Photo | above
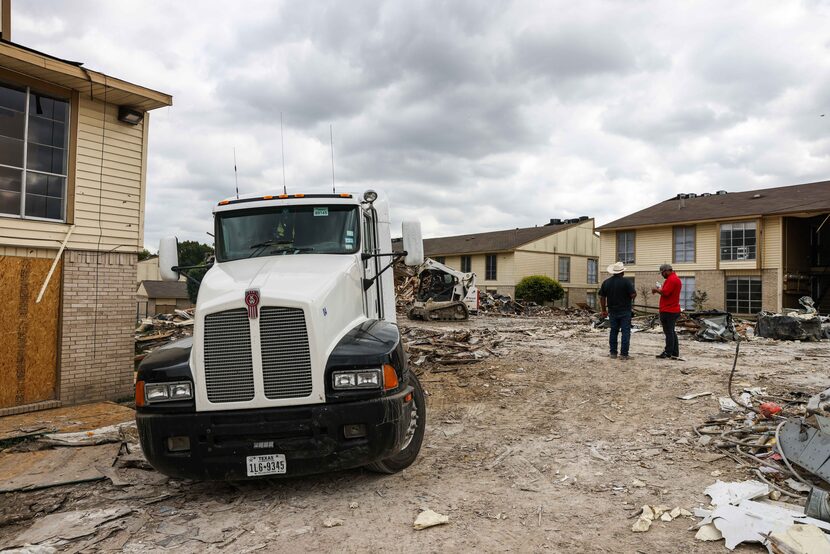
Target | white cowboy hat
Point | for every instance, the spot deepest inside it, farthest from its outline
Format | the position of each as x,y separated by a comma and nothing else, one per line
616,269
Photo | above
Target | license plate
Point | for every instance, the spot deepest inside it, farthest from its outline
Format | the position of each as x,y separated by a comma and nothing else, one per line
268,464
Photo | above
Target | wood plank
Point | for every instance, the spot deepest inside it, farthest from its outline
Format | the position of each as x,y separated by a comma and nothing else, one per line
41,355
10,269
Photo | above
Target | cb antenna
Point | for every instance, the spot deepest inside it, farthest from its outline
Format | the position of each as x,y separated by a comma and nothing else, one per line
282,146
235,176
331,141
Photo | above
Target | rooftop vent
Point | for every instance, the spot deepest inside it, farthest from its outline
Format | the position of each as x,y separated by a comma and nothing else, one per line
720,192
706,194
569,221
555,222
584,218
756,196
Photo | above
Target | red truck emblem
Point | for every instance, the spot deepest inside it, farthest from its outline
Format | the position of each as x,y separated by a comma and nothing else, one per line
252,302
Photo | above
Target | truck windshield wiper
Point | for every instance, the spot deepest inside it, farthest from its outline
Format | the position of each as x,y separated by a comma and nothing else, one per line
294,249
260,246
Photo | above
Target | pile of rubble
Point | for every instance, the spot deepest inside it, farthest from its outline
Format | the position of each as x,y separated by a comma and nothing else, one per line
437,347
803,324
157,331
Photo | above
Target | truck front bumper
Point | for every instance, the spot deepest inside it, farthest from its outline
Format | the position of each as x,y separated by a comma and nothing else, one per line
311,438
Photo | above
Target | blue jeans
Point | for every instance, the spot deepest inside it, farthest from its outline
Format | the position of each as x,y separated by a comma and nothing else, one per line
620,322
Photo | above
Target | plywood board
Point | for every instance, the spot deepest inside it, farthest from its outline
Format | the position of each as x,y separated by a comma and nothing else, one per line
28,330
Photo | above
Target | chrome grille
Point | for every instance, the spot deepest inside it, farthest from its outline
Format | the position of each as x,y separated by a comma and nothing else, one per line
286,359
229,370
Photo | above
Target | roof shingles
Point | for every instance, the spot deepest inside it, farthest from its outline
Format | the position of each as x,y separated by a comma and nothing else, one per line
493,241
810,197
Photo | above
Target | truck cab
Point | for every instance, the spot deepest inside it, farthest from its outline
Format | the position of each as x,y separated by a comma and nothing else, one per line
296,363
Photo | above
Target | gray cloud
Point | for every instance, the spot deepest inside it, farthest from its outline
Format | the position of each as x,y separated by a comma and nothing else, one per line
471,115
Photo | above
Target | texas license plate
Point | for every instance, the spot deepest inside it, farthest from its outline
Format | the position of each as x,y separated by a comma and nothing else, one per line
268,464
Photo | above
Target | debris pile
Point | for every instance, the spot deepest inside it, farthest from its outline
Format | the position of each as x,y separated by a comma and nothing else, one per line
157,331
742,512
803,324
428,347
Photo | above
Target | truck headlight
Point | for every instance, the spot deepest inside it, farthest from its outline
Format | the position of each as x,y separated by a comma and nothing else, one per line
358,379
161,392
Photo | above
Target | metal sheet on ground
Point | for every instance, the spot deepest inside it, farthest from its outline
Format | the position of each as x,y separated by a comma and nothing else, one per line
48,468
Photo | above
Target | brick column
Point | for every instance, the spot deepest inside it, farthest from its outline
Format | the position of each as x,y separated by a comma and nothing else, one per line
98,323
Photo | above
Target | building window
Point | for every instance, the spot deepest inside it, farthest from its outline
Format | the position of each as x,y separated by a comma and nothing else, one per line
440,259
737,241
490,267
33,153
591,300
564,269
684,245
625,247
466,264
743,295
687,292
593,271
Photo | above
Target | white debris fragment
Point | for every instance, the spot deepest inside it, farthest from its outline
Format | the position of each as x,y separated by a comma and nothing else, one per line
353,505
800,539
643,522
637,483
428,518
675,513
727,404
666,517
332,522
708,532
735,492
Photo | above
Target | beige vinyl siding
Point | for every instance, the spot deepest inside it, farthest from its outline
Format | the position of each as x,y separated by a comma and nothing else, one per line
773,243
654,246
119,197
537,263
505,271
578,240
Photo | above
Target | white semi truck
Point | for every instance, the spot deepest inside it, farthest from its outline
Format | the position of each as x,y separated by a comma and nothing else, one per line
296,364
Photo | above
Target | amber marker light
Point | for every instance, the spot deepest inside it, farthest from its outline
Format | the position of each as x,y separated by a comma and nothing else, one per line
269,197
299,196
223,202
390,377
139,393
408,397
282,196
345,195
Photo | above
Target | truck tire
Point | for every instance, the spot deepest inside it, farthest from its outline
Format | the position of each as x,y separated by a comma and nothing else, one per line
409,452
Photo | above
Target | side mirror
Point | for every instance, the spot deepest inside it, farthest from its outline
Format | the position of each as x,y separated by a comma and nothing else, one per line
413,243
168,258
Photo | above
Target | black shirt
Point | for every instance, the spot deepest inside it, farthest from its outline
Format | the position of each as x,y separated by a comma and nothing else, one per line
617,290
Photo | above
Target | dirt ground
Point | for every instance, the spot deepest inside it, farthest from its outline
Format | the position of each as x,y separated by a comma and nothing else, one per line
550,446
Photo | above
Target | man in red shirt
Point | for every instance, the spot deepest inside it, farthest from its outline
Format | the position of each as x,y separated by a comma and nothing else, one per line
669,309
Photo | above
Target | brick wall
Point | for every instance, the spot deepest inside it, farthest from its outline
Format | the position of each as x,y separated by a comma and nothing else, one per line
97,347
714,284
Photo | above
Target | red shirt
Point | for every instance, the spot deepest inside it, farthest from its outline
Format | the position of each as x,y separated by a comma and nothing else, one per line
670,294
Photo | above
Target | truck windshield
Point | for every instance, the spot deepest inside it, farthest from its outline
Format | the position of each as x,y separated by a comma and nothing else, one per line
287,230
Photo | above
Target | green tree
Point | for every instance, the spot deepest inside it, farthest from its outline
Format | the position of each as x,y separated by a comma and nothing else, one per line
144,255
539,289
192,252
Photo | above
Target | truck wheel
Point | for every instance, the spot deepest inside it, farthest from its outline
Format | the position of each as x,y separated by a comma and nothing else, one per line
414,435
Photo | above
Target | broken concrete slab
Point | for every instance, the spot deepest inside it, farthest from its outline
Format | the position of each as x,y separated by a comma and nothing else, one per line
21,471
102,435
799,539
723,493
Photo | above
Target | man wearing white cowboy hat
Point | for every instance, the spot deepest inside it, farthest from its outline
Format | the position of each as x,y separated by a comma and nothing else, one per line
615,297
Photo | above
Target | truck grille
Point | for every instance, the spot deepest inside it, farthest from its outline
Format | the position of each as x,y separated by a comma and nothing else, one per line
229,370
286,360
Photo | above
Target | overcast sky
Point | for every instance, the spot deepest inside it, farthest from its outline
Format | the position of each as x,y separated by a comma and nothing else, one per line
471,115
